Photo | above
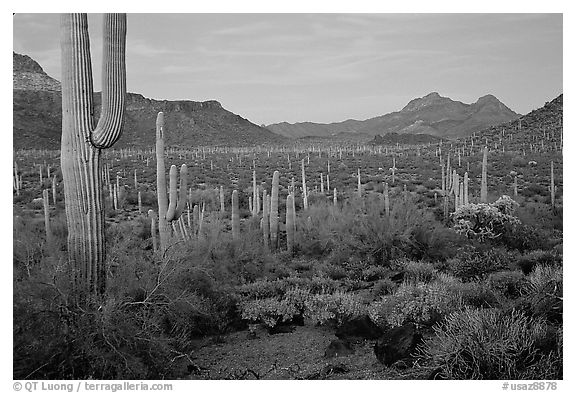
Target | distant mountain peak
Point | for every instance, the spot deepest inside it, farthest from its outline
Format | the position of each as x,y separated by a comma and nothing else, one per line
430,99
27,74
37,116
488,98
431,114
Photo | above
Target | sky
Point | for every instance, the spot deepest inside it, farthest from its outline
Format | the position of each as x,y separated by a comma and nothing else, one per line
325,68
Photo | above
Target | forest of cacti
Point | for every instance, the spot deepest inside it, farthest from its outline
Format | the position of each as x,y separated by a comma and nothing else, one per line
161,262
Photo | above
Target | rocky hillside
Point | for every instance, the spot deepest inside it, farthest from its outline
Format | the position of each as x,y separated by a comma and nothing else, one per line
432,114
404,139
37,108
542,124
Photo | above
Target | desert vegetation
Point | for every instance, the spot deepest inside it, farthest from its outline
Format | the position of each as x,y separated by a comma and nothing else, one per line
305,260
239,262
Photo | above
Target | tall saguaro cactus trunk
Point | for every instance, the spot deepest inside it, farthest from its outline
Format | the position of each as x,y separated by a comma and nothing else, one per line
484,184
82,141
163,227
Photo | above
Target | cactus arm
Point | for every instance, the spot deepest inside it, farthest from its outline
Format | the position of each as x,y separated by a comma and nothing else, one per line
173,194
109,127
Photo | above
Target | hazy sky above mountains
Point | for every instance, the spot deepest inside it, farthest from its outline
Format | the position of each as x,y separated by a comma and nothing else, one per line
323,67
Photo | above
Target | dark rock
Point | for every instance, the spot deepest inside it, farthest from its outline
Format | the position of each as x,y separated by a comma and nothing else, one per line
361,326
397,343
338,348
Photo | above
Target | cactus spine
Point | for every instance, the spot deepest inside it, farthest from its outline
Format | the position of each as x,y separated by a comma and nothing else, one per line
82,142
274,208
235,216
290,224
484,185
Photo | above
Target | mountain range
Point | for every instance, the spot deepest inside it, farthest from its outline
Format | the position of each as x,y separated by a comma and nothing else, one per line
432,114
37,115
37,118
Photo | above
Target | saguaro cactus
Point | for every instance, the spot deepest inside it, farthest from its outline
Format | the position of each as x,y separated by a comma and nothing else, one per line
46,200
304,190
254,194
359,185
82,141
290,224
274,209
168,211
222,208
266,218
386,200
465,200
484,185
153,229
335,197
235,216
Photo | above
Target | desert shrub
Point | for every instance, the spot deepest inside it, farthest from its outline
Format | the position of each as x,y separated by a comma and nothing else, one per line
335,308
519,162
486,221
373,273
269,311
321,308
492,344
419,272
263,289
533,189
508,283
528,261
543,295
415,302
383,287
526,238
335,272
363,232
473,263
